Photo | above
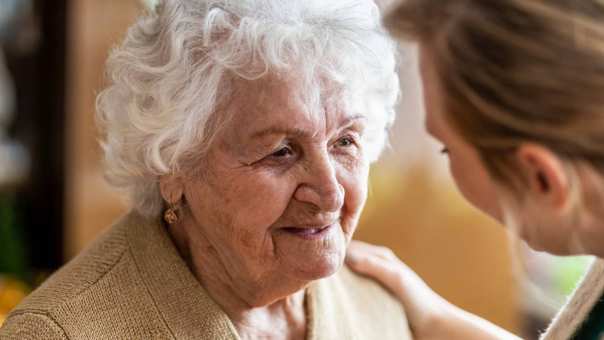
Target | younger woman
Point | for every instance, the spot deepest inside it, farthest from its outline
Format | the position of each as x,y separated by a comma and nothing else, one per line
514,90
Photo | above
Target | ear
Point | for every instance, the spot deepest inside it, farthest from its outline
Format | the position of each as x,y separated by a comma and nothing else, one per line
171,188
547,180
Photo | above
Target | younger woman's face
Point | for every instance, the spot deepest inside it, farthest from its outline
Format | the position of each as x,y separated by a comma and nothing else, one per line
535,224
468,171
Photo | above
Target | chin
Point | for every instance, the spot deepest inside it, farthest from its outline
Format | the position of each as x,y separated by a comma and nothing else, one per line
312,258
320,268
557,251
294,277
553,248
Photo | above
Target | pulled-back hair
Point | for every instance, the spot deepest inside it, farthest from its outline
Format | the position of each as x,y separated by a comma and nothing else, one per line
514,71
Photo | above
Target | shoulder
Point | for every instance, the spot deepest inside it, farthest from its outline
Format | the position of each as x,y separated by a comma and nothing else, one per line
367,305
81,274
580,305
30,325
93,289
365,292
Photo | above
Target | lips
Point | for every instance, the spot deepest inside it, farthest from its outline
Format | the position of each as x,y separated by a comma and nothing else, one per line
305,230
308,232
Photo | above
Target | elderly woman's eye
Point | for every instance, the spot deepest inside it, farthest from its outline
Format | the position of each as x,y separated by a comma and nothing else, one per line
345,141
283,152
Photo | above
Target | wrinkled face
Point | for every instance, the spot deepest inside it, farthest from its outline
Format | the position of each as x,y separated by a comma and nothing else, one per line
282,188
468,171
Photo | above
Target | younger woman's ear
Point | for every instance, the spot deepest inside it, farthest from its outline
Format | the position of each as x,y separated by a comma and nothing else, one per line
171,188
547,180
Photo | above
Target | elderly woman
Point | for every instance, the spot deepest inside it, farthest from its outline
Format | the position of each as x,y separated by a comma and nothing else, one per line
243,132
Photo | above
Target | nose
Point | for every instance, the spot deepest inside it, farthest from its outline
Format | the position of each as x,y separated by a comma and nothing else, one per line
321,187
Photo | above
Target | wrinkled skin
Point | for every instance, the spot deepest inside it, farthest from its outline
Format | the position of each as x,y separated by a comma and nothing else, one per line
274,204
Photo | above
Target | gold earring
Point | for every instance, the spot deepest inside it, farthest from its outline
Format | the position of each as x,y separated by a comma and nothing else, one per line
170,215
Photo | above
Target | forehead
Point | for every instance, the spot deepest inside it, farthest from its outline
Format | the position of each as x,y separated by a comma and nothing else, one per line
285,101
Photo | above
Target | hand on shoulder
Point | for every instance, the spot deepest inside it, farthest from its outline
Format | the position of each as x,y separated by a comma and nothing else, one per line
430,316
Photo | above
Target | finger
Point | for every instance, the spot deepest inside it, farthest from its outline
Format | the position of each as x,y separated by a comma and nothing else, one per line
357,252
371,265
391,277
359,248
374,261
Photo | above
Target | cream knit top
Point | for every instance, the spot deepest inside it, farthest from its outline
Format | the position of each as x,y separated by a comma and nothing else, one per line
579,305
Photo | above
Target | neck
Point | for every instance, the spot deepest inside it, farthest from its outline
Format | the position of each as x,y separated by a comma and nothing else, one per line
257,311
284,319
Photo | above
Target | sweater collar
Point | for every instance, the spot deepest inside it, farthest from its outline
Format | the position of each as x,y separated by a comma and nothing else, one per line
187,309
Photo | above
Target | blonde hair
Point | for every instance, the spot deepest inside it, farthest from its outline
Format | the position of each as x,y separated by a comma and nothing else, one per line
175,68
515,71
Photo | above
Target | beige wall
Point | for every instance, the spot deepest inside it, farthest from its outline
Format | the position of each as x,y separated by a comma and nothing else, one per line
95,25
412,208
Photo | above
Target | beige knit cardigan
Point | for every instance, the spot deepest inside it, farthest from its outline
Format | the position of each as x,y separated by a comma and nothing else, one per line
581,302
132,284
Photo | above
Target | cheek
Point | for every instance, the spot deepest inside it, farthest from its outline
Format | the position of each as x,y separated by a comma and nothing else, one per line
260,200
240,207
355,184
475,184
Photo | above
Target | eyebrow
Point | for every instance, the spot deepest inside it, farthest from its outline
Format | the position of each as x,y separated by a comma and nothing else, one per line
301,133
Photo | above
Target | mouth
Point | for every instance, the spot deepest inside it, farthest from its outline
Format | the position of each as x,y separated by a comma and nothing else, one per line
308,232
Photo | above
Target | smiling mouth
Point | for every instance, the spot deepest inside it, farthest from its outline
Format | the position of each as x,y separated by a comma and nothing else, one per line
308,232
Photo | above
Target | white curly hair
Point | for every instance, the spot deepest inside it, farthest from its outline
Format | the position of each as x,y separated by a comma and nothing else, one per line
172,72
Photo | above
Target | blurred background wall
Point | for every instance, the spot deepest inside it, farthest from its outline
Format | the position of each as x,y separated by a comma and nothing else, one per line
95,26
413,206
